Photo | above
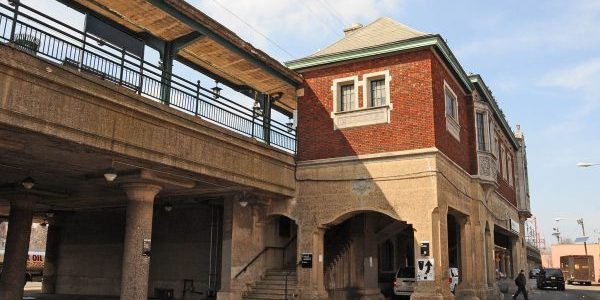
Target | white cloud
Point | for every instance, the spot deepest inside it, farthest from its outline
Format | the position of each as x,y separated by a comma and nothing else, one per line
304,23
584,94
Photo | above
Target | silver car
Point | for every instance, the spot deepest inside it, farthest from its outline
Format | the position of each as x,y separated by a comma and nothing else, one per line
404,281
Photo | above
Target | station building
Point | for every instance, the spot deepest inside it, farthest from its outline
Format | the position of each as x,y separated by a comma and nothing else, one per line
156,185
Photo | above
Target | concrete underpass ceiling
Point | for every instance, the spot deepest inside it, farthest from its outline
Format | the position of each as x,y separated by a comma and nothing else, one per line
72,175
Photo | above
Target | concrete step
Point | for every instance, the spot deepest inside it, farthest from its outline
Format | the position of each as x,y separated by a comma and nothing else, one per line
268,286
253,295
273,286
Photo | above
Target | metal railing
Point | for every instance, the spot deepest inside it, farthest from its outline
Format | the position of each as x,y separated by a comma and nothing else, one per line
34,32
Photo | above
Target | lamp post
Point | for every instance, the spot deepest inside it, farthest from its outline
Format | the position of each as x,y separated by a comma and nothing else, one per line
580,222
586,164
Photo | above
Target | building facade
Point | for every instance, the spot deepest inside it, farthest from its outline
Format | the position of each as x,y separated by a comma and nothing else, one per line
154,185
398,144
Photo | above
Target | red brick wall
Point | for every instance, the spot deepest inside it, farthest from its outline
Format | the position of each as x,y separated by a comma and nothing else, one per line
411,124
504,188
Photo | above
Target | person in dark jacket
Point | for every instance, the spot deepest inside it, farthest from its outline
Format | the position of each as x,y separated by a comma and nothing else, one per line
521,282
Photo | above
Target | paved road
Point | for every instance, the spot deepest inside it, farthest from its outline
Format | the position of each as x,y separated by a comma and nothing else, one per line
572,292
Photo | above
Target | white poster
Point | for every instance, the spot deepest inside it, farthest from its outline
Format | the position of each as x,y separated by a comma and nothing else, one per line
425,269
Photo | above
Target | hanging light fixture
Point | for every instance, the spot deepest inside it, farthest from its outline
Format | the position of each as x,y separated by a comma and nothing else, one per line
256,108
216,90
28,182
168,207
110,174
243,201
290,125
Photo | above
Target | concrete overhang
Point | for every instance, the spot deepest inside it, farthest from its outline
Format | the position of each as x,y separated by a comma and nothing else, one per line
214,49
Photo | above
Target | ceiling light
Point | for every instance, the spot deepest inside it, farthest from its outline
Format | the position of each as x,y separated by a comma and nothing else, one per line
168,207
28,182
110,174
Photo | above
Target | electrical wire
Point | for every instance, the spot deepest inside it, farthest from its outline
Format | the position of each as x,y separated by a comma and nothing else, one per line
254,29
333,12
312,12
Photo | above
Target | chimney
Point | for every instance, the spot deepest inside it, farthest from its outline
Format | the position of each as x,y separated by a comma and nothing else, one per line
354,27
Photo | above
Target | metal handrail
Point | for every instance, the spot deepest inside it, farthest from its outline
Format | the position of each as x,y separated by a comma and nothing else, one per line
65,44
263,251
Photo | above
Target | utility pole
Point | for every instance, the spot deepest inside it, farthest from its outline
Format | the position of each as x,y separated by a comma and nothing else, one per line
580,222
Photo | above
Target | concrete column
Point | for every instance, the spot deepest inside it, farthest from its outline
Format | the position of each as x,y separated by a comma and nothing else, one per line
466,287
227,291
434,230
365,255
311,282
138,227
17,246
52,253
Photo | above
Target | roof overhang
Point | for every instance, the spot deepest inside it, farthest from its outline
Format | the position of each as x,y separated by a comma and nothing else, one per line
213,48
422,42
483,90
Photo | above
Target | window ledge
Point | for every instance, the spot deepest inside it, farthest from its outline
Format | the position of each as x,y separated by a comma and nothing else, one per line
453,127
361,117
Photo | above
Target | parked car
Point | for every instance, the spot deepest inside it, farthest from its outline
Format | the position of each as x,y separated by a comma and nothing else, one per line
453,279
551,277
404,281
533,273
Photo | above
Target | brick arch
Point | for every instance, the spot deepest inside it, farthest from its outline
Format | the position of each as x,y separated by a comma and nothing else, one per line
345,215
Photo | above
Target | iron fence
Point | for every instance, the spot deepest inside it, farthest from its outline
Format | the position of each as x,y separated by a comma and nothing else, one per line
37,33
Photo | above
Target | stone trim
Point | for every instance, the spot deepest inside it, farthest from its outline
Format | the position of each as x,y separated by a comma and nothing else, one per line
374,156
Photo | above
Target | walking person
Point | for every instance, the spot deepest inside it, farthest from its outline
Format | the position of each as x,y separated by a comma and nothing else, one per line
521,282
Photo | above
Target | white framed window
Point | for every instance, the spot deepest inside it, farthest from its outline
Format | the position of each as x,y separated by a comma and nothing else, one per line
374,107
509,169
345,95
376,89
451,104
481,128
503,157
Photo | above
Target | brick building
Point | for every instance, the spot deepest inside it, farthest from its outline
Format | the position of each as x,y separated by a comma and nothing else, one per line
154,184
402,159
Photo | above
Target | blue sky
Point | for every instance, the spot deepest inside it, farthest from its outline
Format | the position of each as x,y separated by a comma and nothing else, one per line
541,61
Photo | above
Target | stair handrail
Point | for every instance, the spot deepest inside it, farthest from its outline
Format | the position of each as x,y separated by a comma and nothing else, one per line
254,259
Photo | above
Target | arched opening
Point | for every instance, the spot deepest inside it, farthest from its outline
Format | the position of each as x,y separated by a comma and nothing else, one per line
281,237
364,253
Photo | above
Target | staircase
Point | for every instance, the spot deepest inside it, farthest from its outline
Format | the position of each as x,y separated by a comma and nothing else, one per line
273,286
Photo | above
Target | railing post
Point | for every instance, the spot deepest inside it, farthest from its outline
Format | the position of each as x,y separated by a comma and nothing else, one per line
197,98
141,83
122,66
14,24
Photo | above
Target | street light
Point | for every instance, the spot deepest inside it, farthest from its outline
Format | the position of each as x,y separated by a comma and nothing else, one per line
580,222
586,164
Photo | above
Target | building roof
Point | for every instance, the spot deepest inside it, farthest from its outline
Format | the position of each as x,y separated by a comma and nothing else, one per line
205,43
381,31
384,36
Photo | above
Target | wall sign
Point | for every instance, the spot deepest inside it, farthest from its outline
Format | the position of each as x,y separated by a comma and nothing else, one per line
514,226
424,247
425,269
306,260
146,247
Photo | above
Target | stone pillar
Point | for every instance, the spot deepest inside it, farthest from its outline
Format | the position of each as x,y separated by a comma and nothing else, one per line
227,290
466,287
434,230
17,246
365,256
138,227
52,254
311,282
